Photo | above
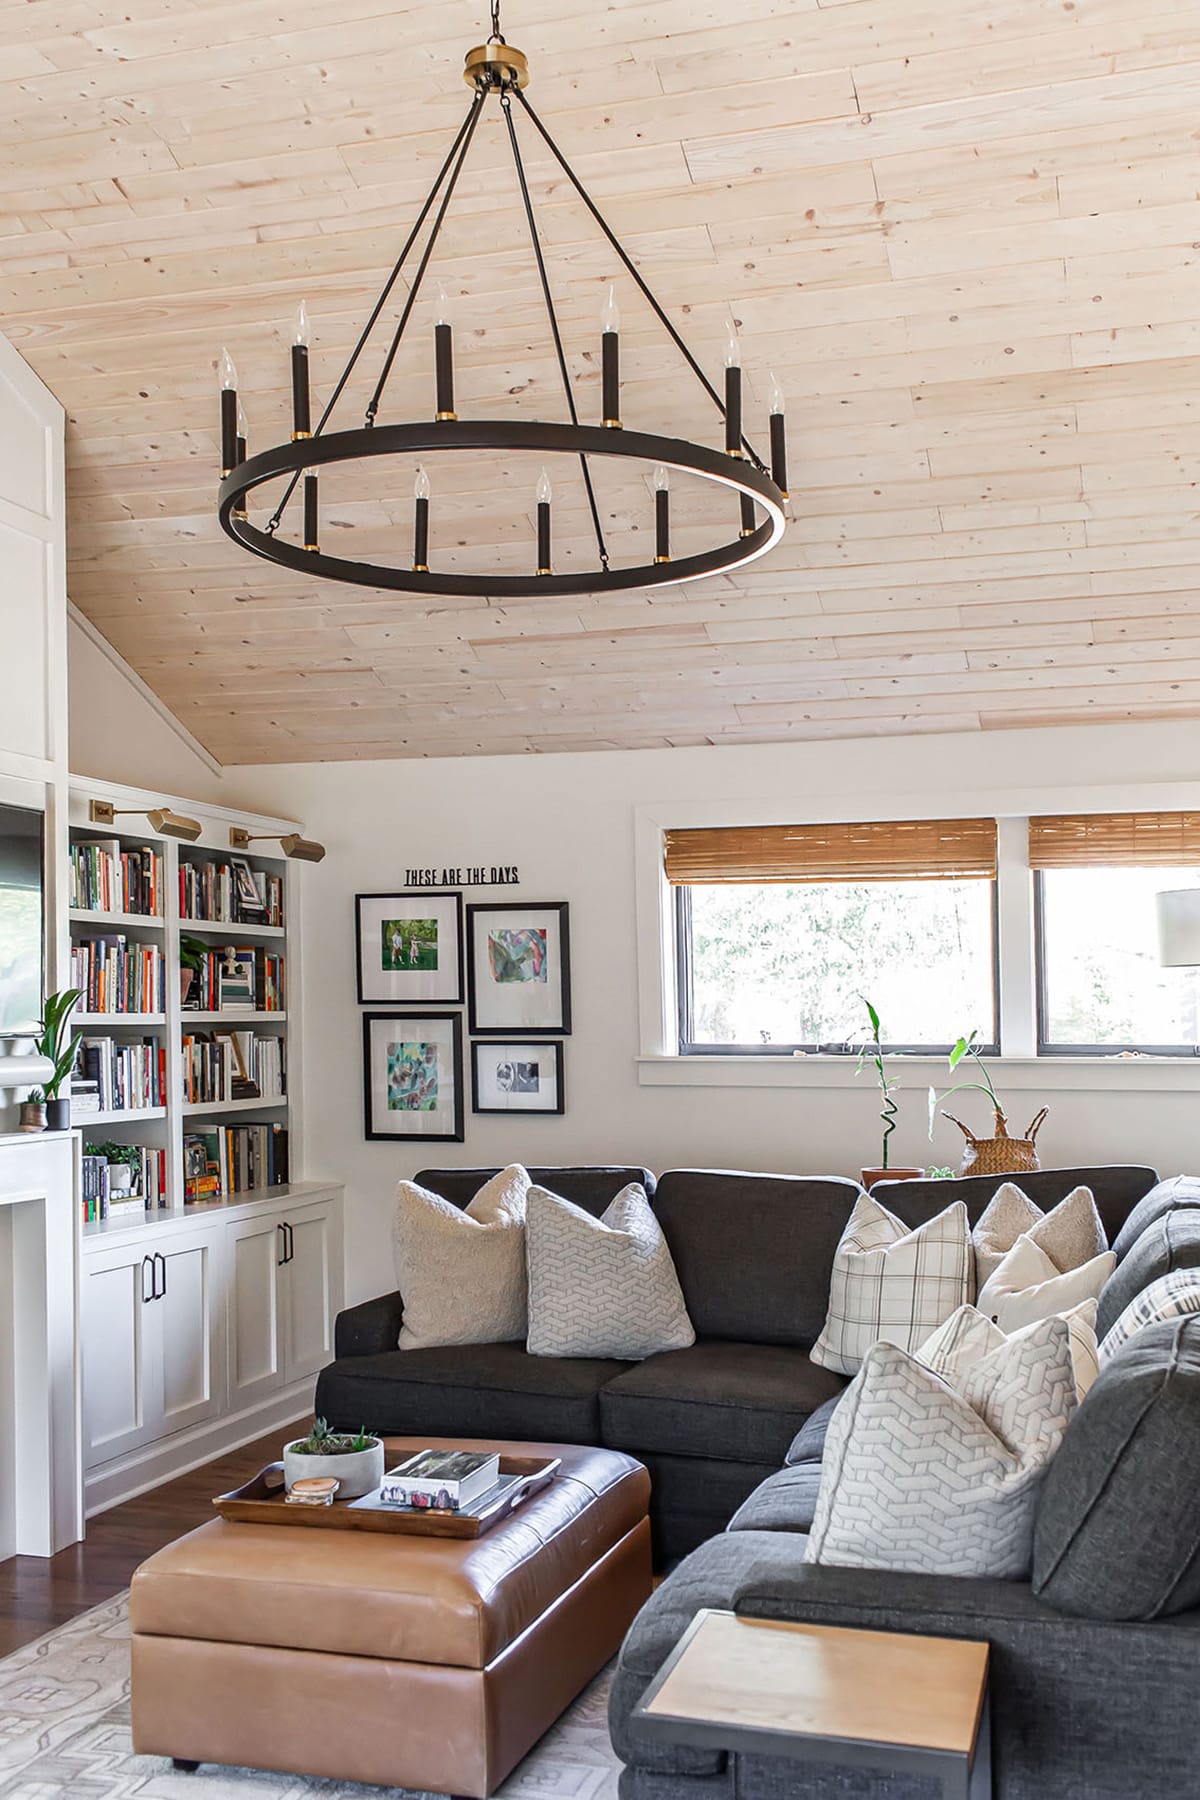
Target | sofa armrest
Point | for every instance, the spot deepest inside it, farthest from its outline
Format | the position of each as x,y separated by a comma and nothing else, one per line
369,1328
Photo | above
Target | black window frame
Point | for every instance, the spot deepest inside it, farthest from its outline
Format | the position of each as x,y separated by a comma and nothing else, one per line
685,1001
1184,1052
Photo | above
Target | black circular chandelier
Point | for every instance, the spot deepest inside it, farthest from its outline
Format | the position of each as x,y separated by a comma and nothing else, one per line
499,69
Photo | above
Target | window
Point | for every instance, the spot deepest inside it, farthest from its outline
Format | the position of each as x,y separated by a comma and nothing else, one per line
1101,984
794,925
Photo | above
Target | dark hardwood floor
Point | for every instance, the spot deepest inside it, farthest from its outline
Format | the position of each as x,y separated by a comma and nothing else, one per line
37,1593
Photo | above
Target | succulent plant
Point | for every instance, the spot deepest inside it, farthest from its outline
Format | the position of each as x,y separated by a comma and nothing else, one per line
322,1441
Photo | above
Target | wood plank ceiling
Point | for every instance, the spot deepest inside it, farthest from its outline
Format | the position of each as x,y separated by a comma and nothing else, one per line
964,236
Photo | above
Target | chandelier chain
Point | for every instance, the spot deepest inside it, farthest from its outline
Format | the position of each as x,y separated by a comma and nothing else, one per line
497,34
556,334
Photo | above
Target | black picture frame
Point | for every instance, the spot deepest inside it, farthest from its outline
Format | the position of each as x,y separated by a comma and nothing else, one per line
543,1046
368,998
374,1136
517,1028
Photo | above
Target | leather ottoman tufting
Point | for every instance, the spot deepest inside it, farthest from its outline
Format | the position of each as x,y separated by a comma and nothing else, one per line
414,1662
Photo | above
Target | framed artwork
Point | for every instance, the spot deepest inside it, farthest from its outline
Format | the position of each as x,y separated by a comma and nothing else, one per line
511,1076
518,969
409,947
413,1076
251,904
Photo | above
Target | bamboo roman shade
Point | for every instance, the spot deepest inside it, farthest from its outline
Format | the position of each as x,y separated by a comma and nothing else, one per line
892,850
1114,840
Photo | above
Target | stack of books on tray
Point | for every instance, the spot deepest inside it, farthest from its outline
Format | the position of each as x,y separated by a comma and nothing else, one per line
440,1481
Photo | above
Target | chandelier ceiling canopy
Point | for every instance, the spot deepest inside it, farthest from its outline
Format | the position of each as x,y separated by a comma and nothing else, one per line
752,492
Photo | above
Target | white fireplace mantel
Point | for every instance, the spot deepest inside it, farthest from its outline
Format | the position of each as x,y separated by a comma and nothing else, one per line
41,1494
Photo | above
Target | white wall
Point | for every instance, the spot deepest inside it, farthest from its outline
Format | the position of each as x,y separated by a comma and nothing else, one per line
568,823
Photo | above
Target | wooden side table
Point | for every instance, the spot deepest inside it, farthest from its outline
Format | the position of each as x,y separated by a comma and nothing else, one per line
877,1700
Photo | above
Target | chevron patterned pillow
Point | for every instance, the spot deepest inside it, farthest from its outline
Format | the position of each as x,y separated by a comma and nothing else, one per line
461,1272
1169,1297
924,1477
893,1284
601,1287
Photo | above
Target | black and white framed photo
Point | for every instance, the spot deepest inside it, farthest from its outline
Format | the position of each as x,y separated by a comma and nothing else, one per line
519,969
409,948
513,1076
413,1076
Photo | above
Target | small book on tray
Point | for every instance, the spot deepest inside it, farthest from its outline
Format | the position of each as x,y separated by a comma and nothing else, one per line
440,1480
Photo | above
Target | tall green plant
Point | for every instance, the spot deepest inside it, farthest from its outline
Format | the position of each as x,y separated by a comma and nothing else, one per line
872,1052
54,1030
966,1050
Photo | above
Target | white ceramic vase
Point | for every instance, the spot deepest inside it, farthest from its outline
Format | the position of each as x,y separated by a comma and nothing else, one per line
357,1472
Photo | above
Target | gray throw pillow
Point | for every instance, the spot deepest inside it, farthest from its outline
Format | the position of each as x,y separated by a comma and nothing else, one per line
1171,1242
601,1287
1170,1195
1117,1534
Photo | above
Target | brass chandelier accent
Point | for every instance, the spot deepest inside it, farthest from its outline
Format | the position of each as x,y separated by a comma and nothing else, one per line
497,70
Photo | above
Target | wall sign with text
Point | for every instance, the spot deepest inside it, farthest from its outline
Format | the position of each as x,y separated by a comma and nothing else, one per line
465,875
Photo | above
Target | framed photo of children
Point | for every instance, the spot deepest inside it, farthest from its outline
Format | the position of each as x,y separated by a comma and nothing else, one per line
519,969
409,948
413,1076
510,1076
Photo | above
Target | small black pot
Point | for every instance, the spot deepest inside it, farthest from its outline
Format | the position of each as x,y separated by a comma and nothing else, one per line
58,1115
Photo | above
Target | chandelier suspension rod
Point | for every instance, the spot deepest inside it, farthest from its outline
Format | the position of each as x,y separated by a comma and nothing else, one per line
631,267
274,521
468,132
535,239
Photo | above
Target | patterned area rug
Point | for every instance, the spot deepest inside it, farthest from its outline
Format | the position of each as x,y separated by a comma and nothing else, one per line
64,1729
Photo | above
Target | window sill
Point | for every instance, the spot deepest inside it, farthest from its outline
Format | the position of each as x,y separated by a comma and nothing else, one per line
1014,1074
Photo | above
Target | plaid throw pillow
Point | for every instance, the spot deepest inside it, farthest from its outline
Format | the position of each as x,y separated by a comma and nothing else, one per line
893,1285
1167,1298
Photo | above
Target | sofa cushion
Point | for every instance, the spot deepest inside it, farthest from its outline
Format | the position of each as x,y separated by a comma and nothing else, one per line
1172,1195
1118,1529
1171,1242
478,1390
1116,1188
893,1285
808,1445
754,1252
461,1270
739,1402
784,1502
590,1186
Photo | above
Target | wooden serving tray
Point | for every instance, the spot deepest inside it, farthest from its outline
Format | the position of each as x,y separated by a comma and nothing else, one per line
261,1502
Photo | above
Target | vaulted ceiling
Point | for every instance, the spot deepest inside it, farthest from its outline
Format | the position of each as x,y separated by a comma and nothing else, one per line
965,237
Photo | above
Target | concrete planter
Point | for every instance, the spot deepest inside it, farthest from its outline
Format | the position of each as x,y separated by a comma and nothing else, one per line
357,1472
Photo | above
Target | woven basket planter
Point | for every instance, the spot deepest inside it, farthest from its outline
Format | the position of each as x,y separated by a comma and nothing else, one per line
1000,1155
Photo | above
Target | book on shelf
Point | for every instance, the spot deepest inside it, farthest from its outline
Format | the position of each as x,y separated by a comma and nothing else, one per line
234,1159
229,892
119,1179
232,1065
238,978
125,1077
115,975
440,1480
85,1099
108,876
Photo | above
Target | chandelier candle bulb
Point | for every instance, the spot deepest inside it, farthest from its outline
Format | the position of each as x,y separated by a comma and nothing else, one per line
301,410
443,354
778,439
544,494
610,364
421,523
229,412
662,514
311,525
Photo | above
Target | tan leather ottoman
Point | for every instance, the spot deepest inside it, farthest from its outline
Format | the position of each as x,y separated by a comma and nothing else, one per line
411,1662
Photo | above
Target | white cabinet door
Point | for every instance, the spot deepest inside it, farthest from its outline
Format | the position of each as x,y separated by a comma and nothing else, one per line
190,1315
311,1277
257,1358
120,1406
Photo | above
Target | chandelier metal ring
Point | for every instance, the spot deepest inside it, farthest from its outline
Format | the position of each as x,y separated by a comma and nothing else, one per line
544,437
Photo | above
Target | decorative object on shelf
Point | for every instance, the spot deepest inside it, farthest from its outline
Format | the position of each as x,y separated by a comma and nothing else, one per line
517,1077
872,1052
519,974
33,1112
409,947
297,848
997,1155
413,1076
235,982
353,1460
192,951
163,821
755,493
61,1046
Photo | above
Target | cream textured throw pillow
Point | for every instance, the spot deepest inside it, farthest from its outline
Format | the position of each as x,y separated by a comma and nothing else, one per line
1169,1297
1071,1233
891,1284
461,1273
601,1287
1028,1286
968,1336
921,1476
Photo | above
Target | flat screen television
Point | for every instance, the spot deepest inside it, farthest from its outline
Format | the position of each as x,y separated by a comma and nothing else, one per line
22,929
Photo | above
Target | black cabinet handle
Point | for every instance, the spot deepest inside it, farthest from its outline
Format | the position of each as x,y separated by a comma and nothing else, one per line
160,1258
280,1260
291,1243
152,1295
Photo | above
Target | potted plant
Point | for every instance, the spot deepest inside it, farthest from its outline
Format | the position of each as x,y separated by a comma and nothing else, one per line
354,1459
192,951
61,1046
33,1112
872,1052
999,1154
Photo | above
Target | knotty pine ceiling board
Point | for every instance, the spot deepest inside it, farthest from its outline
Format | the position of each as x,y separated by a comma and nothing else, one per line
965,238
